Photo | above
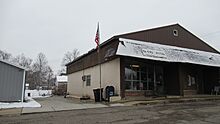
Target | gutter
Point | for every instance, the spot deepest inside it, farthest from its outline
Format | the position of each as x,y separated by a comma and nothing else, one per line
22,96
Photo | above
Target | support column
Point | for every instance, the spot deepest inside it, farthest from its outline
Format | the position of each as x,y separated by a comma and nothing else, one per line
155,85
122,76
180,79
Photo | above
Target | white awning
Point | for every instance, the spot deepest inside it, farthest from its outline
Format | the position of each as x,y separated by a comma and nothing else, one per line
153,51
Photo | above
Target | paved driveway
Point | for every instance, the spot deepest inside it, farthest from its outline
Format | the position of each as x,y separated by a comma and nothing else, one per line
59,103
206,112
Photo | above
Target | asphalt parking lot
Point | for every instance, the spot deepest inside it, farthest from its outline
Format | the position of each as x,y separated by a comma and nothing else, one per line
205,112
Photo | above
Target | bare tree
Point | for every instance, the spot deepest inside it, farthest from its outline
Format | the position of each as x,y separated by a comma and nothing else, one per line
23,61
41,62
70,56
50,77
39,69
5,56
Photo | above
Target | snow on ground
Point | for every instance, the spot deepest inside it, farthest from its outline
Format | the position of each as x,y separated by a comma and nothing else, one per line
28,103
37,93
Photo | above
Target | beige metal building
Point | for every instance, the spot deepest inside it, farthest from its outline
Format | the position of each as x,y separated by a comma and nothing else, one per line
162,61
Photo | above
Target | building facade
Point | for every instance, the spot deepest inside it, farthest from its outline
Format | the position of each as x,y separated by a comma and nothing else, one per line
162,61
61,85
12,82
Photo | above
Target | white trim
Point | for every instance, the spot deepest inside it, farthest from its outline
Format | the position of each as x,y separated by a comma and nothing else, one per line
22,96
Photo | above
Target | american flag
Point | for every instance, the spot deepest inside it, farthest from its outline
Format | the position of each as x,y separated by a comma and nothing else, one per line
97,38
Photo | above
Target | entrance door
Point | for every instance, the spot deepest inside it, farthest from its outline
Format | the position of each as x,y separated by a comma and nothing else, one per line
159,81
155,80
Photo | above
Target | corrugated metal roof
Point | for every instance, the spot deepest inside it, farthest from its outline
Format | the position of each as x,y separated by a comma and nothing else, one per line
153,51
12,64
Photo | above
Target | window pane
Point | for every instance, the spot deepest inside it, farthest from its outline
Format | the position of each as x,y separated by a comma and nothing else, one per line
136,85
135,75
128,85
143,76
135,72
144,85
159,75
150,78
128,73
88,80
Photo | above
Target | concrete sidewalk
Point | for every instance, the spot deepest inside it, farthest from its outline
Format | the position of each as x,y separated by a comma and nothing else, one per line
167,100
58,103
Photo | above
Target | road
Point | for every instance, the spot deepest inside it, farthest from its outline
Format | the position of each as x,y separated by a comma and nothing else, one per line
205,112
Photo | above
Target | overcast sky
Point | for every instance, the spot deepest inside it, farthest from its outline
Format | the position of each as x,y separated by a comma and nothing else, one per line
57,26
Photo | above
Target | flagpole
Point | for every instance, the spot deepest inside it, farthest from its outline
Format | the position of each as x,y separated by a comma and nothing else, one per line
100,70
97,40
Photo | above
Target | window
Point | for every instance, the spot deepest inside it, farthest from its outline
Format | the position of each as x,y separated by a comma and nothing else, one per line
135,77
88,80
143,77
175,32
191,80
132,77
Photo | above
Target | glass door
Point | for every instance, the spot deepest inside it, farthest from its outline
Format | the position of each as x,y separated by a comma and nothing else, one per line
159,80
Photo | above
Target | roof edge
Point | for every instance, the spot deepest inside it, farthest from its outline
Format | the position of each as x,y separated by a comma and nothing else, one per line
92,50
192,33
12,64
148,29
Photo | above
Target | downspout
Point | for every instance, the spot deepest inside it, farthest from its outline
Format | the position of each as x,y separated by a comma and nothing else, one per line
22,95
83,82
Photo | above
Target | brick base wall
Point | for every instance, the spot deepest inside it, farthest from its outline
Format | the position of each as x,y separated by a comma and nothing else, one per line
139,93
189,92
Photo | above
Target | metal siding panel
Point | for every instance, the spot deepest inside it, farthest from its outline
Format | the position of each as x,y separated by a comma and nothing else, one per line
91,58
11,81
164,35
2,86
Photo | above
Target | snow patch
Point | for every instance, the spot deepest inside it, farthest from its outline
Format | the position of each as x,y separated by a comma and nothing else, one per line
30,103
38,93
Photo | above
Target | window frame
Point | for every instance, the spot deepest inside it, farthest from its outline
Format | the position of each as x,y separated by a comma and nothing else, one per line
88,80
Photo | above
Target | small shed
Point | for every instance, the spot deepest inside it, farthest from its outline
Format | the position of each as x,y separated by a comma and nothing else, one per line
12,82
61,85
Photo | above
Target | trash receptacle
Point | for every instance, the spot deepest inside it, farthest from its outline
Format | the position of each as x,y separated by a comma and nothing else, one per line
97,94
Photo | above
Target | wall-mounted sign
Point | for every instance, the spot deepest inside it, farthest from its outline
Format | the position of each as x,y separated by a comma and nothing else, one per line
153,51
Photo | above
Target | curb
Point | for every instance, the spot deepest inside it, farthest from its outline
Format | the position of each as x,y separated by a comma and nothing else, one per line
181,100
10,111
